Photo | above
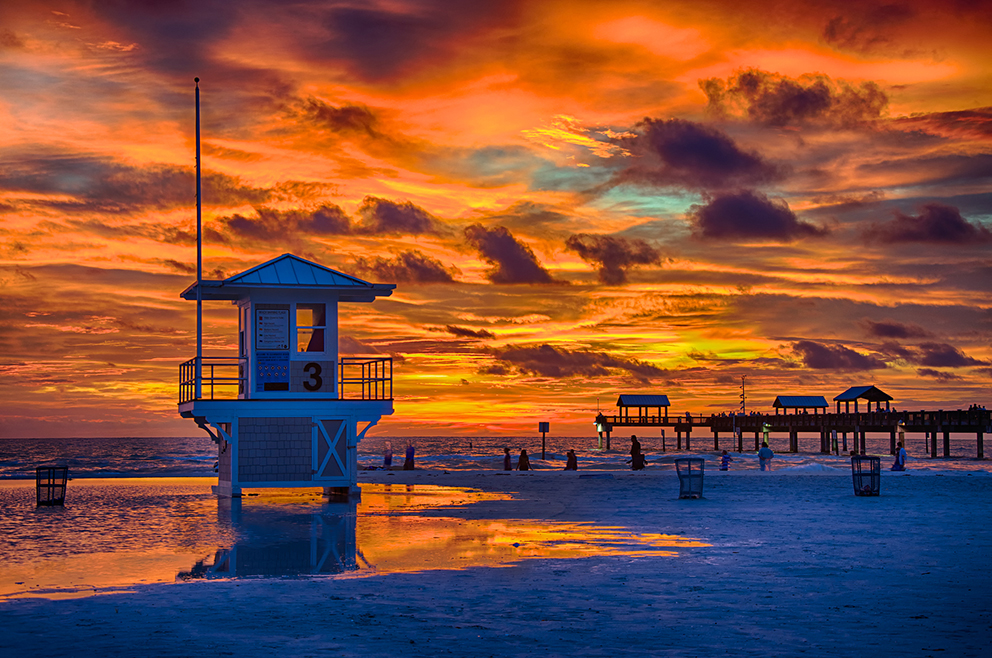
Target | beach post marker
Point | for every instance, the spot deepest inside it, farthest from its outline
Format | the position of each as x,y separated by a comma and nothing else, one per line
542,427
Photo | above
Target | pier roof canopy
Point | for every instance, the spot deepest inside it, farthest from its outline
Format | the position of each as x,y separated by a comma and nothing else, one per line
800,402
869,393
289,272
643,401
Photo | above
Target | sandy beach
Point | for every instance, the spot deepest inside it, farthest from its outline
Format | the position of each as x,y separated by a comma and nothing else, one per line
782,563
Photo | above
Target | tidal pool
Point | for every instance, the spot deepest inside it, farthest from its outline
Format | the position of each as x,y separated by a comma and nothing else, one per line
118,533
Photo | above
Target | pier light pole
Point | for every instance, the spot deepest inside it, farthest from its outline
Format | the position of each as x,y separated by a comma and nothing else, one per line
198,374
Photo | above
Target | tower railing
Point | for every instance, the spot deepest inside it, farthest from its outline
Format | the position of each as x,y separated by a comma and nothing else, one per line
373,377
225,378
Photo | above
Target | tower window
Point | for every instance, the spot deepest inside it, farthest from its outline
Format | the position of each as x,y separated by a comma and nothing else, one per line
310,326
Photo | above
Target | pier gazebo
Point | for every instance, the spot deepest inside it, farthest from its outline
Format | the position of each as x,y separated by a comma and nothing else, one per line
644,405
869,393
286,410
797,402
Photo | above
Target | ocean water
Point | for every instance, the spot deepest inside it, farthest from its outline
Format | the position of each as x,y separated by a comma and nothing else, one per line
196,456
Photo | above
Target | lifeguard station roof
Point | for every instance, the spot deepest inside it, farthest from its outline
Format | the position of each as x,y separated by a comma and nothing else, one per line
643,401
800,402
869,393
289,272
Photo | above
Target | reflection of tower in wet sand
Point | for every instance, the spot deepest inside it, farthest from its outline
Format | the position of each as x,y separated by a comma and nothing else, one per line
278,540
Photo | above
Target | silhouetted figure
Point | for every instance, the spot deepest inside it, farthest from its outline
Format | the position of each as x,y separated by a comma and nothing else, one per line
408,464
571,462
523,464
636,458
507,465
387,456
900,463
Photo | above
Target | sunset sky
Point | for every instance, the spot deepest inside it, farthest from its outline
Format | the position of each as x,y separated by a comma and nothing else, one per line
575,199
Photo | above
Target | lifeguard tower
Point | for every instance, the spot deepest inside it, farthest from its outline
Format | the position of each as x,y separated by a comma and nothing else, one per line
287,410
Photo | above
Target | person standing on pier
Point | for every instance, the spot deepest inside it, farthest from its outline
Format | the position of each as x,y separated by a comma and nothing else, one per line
900,463
765,456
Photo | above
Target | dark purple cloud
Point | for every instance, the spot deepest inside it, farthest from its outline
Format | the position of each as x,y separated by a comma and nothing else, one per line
84,182
511,261
612,255
343,120
749,215
409,266
893,329
939,375
949,169
974,123
775,100
834,357
381,216
466,332
942,355
533,218
282,226
938,223
681,153
868,28
383,43
549,361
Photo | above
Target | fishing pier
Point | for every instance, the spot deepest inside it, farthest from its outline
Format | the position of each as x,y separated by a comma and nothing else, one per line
831,429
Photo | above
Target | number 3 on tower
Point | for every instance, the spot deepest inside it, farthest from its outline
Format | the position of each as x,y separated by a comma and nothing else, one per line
315,382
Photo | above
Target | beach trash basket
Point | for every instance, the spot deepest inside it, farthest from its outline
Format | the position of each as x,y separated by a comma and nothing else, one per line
50,484
867,475
690,471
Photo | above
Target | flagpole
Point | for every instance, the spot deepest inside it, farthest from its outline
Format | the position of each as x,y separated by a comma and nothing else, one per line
199,255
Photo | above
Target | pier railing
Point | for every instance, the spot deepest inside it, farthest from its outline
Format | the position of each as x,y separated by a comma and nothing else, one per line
972,418
225,378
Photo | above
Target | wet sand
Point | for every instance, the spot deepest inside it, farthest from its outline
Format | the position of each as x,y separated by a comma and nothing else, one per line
781,563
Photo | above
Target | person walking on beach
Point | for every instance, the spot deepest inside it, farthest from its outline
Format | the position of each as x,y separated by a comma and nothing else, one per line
900,463
387,456
636,458
507,464
725,461
408,464
571,462
765,456
523,464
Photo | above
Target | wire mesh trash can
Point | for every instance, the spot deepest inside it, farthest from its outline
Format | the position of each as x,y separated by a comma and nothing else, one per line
867,475
50,484
690,472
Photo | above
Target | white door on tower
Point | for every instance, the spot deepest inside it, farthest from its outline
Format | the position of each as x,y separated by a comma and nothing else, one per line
330,453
